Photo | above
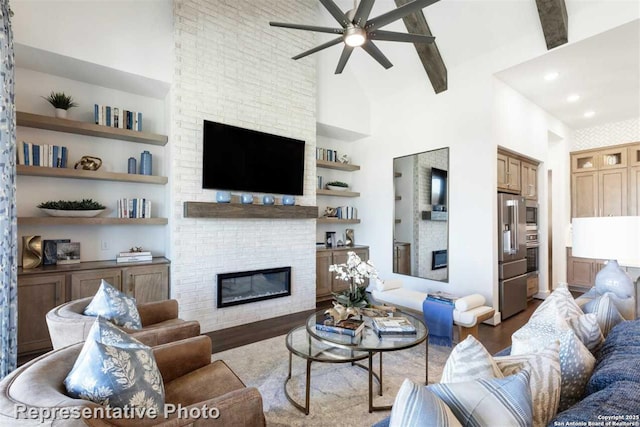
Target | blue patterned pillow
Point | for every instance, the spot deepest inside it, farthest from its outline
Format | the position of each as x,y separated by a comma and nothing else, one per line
417,406
489,402
115,306
606,312
117,370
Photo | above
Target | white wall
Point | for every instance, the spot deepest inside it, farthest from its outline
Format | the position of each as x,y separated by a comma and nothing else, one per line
129,35
407,117
231,67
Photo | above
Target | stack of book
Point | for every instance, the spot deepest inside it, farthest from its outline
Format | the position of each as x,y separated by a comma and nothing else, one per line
393,326
351,327
134,256
51,156
442,297
115,117
326,154
134,208
347,212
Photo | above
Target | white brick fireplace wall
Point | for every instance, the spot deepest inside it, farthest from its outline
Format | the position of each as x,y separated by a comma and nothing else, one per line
231,67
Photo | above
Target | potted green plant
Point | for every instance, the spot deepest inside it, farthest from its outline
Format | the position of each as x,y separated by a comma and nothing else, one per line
72,208
61,102
337,186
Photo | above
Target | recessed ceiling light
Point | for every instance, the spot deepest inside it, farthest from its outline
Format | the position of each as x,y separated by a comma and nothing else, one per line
573,98
589,113
551,76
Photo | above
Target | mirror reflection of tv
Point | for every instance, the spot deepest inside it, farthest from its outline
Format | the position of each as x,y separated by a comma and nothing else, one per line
238,159
439,189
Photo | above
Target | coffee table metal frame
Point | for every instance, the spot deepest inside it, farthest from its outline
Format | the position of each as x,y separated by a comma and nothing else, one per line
365,347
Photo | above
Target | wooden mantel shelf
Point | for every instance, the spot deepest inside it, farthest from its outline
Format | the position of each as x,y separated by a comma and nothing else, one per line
238,210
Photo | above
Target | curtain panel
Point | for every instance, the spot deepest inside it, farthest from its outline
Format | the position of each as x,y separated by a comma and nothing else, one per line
8,226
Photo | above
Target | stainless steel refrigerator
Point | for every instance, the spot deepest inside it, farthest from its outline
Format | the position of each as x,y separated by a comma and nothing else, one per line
512,254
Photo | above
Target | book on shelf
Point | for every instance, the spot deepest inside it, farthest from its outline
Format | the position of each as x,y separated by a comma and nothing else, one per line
133,208
141,258
141,253
45,155
393,326
351,327
116,117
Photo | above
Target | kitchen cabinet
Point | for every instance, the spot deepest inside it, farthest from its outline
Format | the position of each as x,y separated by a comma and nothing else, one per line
326,283
602,182
582,271
45,287
529,180
508,173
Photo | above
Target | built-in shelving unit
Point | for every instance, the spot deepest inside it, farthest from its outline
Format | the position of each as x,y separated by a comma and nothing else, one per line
323,192
345,167
238,210
327,220
57,220
85,174
84,128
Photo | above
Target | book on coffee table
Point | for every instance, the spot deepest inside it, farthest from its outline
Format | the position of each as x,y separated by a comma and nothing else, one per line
351,327
393,326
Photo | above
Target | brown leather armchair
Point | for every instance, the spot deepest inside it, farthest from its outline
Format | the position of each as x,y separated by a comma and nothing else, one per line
190,379
160,323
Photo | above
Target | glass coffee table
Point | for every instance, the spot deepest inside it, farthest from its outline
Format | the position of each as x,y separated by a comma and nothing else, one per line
326,347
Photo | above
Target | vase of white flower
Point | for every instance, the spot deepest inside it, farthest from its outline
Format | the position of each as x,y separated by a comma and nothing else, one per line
354,271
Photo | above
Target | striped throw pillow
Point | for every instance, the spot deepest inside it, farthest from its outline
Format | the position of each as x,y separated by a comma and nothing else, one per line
469,361
544,383
588,330
606,312
417,406
576,361
489,402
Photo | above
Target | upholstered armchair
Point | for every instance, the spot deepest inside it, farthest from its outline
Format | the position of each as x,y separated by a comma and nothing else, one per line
160,323
190,379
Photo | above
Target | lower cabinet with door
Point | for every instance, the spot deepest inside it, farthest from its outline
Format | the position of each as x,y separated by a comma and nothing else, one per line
326,283
43,288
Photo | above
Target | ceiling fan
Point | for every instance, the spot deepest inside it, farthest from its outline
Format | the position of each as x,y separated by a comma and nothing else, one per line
360,31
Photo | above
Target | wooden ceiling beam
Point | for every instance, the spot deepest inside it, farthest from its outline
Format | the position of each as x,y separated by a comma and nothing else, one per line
554,20
429,54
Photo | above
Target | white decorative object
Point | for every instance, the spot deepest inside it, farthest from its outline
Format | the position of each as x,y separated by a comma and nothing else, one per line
61,113
344,159
72,213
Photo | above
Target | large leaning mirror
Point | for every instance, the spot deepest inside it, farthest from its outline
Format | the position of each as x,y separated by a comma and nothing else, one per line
421,228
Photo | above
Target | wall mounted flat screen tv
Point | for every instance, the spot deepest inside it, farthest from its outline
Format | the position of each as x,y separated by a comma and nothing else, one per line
439,189
238,159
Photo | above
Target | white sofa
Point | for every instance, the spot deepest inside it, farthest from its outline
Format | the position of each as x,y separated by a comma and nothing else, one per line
469,311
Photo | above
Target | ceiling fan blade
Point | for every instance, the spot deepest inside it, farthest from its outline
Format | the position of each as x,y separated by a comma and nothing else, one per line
307,27
377,54
395,14
362,14
346,53
318,48
335,11
391,36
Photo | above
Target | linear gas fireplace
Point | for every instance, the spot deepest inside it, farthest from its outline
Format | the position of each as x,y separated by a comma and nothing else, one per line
439,259
248,286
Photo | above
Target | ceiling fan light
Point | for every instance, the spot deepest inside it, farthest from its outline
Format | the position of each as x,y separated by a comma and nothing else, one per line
355,36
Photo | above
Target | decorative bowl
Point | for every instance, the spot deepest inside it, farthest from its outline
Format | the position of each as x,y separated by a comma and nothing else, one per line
336,188
75,213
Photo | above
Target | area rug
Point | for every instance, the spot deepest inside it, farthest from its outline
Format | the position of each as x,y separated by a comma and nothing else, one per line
339,392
